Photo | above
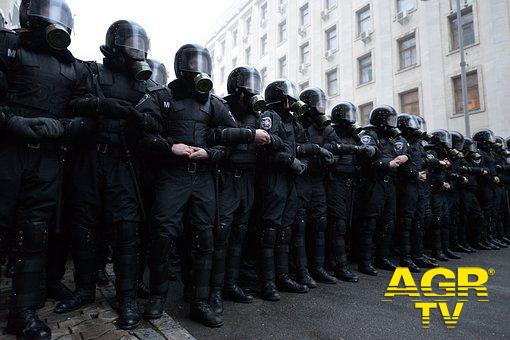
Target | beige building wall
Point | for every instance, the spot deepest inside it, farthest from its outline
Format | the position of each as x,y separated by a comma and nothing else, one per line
11,13
436,62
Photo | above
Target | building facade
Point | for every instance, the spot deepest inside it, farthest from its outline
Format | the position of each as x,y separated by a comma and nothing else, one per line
398,52
10,9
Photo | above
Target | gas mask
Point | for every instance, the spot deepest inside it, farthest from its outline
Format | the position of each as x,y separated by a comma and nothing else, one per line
299,108
258,103
141,70
203,83
475,156
321,122
58,37
453,152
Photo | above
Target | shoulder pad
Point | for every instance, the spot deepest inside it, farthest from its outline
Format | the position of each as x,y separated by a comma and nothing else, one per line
223,101
155,87
368,137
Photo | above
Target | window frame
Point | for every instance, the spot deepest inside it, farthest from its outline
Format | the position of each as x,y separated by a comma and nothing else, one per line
360,68
401,97
328,81
401,40
479,85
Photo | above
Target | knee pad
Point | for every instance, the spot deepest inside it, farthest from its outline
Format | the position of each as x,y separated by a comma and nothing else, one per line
268,238
32,237
284,236
203,241
221,235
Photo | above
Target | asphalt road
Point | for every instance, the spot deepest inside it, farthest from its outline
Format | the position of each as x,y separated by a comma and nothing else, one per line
353,311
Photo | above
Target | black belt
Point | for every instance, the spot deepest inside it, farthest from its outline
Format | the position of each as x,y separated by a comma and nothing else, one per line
191,167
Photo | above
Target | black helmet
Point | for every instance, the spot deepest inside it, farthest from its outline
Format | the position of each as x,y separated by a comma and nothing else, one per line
159,72
422,123
500,143
407,122
484,136
469,145
457,140
344,113
194,59
384,115
245,79
507,143
315,98
53,17
281,90
441,137
127,37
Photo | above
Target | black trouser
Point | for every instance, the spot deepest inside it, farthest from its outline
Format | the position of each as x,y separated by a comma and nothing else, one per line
487,199
499,211
379,205
183,189
276,204
407,205
455,209
236,197
440,231
472,216
30,178
312,212
339,194
102,195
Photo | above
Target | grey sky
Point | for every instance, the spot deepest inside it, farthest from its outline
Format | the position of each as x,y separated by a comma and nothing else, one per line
169,23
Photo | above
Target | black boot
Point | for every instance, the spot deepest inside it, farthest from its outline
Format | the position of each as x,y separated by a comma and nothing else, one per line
269,291
304,278
344,274
216,301
422,262
407,262
430,259
236,294
286,284
102,278
322,276
203,313
438,255
80,297
26,325
469,248
154,308
58,291
451,255
129,316
491,245
385,264
460,249
142,291
367,268
482,246
499,243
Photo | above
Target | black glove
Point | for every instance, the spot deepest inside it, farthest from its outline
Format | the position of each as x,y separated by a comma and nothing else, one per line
367,150
49,128
145,121
155,144
115,108
298,167
23,127
327,156
308,149
345,149
79,127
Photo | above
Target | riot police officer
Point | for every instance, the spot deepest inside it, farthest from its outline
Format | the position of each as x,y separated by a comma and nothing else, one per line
310,220
235,185
159,72
276,198
188,113
411,174
42,79
348,153
500,153
106,190
378,188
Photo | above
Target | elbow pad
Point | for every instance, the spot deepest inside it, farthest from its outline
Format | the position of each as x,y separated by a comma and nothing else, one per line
236,136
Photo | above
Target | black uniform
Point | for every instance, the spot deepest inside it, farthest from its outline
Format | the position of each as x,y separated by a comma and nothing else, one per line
41,83
487,192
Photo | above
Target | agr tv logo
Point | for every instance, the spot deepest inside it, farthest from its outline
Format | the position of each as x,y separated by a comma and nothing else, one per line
450,287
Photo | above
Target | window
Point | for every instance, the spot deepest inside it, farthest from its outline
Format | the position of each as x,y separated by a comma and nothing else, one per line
247,26
410,102
263,77
331,39
282,67
305,54
332,82
247,55
468,28
234,37
304,12
263,45
303,86
365,69
234,62
263,12
364,112
405,5
330,4
473,94
364,20
282,31
407,51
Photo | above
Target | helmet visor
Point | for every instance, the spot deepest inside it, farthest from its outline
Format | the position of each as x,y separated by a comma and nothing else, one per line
53,11
391,121
196,62
134,39
250,82
349,114
159,72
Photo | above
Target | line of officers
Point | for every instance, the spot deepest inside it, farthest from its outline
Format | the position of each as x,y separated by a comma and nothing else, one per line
105,153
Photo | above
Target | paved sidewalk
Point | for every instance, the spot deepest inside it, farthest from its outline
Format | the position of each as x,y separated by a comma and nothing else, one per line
96,321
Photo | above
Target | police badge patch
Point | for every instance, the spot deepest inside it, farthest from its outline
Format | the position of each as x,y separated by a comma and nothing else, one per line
399,146
367,140
267,123
508,161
